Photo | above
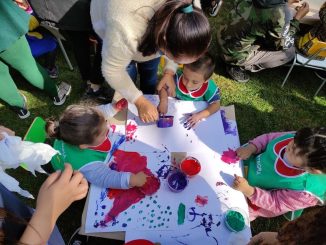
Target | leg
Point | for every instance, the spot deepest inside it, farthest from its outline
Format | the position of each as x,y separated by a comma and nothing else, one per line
148,75
9,92
259,60
28,67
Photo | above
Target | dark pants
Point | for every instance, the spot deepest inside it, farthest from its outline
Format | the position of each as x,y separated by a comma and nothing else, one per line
81,47
147,74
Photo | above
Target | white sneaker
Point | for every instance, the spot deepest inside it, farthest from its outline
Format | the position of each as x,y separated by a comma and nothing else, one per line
23,112
64,90
213,11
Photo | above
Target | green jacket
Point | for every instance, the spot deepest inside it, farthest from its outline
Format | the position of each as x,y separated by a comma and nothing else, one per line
245,28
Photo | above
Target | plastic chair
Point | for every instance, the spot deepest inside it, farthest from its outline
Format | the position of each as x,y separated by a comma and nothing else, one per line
315,59
36,133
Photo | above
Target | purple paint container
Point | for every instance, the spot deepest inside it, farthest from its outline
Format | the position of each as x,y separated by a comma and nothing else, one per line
165,122
177,181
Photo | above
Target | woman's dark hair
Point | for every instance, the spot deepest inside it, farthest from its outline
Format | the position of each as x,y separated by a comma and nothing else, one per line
205,65
177,32
77,125
311,143
307,229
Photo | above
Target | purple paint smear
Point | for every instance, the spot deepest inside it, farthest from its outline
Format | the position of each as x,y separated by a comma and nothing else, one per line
227,125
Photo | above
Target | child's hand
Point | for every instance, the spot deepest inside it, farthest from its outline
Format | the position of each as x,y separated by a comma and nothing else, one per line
241,184
138,179
5,130
162,107
244,152
193,120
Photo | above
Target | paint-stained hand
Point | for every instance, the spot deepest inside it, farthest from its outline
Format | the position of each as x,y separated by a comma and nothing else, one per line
138,179
60,190
146,110
244,152
5,130
241,184
264,238
193,120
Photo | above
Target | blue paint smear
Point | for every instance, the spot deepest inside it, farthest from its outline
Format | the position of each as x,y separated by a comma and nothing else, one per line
227,125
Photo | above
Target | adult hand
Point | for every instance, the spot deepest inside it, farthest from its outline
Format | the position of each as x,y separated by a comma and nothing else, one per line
5,130
146,110
293,1
244,152
264,238
60,190
302,11
168,81
138,179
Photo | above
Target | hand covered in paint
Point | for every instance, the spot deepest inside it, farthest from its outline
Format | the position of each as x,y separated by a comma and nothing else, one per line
167,81
302,11
58,191
244,152
5,130
146,110
192,120
241,184
138,179
264,238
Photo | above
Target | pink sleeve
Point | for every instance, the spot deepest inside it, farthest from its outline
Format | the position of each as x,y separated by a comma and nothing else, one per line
282,200
261,141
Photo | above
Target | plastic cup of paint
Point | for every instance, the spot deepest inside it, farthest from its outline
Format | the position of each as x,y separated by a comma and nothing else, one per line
236,219
177,181
190,166
165,121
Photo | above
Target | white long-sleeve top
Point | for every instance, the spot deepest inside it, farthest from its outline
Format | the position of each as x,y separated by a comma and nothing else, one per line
121,24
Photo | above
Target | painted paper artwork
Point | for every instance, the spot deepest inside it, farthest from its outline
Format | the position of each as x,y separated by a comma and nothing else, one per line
193,215
147,138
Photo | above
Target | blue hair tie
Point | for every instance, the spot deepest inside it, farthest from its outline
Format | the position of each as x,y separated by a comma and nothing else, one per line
188,9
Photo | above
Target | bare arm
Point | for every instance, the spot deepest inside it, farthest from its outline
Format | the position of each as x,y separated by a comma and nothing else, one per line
163,105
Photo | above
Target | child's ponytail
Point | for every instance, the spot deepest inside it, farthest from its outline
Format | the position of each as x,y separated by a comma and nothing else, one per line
52,128
177,31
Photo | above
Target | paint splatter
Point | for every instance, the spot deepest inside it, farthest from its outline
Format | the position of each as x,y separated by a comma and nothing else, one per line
201,201
123,199
220,183
227,125
229,156
113,128
131,129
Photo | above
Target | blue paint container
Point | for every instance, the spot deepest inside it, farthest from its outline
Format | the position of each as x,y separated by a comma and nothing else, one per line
177,181
165,122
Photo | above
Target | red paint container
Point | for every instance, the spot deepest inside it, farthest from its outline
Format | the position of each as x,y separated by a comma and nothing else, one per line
190,166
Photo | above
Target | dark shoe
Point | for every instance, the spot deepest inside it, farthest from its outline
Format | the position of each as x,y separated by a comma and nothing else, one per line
214,10
22,112
103,95
64,90
237,73
54,72
77,239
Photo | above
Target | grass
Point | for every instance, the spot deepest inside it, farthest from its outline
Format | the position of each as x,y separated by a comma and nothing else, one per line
261,106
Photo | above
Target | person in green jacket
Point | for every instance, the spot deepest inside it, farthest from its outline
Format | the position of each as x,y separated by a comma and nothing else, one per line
15,52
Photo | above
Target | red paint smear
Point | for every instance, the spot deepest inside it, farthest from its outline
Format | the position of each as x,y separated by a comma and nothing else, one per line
130,131
229,156
130,162
113,128
201,201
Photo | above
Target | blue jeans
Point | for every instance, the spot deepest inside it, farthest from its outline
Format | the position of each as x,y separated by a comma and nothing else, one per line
147,74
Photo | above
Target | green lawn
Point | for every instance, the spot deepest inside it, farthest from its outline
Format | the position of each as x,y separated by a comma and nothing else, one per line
261,106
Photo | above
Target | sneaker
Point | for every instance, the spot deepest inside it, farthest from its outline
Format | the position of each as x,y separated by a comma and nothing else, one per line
214,10
77,239
53,73
23,112
237,73
64,90
103,95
